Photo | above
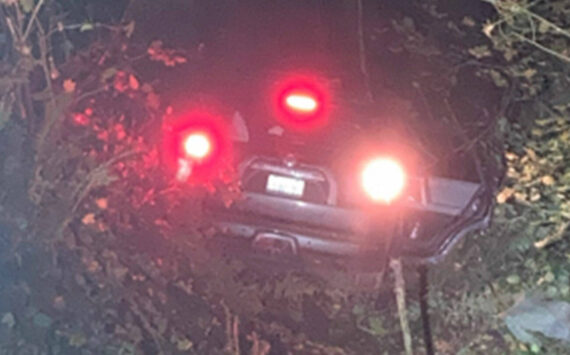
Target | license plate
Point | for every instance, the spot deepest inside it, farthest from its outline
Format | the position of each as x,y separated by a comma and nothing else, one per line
285,185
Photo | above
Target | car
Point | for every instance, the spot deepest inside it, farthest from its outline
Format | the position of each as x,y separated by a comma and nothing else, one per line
317,189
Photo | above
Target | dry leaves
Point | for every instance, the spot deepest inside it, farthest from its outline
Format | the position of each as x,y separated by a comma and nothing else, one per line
69,86
133,82
547,180
505,194
88,219
102,203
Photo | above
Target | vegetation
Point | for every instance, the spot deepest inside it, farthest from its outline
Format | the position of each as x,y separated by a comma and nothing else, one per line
97,255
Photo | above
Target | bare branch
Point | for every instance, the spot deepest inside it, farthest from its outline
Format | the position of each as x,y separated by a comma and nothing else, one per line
362,50
32,20
542,48
400,291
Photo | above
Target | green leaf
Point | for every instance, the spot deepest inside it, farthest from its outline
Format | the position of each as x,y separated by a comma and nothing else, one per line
358,310
108,73
8,320
513,279
376,326
77,340
480,51
86,27
27,5
42,320
183,344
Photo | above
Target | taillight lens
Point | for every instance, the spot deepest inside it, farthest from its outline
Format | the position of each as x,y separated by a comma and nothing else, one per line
383,179
302,103
198,145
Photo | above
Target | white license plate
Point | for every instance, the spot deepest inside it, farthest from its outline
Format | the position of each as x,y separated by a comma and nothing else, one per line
285,185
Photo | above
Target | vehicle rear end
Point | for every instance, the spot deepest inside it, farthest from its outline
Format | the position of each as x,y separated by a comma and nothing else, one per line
324,184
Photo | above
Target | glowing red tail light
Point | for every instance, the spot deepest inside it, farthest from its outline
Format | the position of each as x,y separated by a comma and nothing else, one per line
198,145
302,102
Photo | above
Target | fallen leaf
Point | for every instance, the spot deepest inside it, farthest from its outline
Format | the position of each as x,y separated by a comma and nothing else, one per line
120,82
547,180
480,51
530,153
93,266
108,73
184,344
102,203
505,194
80,119
69,86
180,60
543,27
88,219
488,29
468,21
513,279
521,197
511,156
133,82
529,73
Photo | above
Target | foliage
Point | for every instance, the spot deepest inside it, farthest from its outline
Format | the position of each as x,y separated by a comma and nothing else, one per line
112,263
527,249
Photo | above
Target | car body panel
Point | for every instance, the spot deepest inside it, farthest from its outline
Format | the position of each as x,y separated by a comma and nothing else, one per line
445,209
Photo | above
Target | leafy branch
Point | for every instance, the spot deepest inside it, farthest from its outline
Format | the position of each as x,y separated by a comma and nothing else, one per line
510,11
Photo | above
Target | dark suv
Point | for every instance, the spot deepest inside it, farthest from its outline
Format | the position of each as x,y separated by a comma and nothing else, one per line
339,191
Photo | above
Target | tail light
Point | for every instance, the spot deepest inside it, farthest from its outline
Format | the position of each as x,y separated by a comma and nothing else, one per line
302,102
196,145
383,179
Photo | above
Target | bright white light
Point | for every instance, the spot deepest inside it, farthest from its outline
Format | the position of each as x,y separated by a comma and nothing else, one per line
383,179
300,102
197,145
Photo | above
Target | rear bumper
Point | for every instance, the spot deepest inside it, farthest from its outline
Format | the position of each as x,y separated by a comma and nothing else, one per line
302,242
302,229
